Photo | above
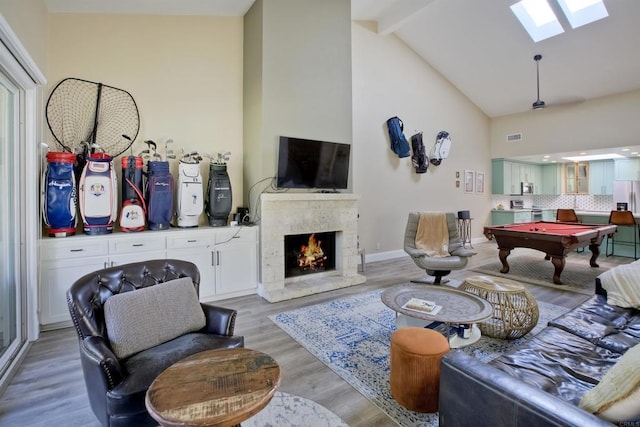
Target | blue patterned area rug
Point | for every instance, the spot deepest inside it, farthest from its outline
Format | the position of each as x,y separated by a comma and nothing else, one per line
352,337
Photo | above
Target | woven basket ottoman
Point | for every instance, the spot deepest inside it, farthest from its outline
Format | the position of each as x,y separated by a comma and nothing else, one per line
515,310
415,367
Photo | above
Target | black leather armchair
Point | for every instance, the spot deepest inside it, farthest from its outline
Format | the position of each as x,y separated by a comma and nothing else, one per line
117,387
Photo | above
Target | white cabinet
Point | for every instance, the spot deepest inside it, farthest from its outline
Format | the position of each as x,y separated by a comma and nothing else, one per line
226,257
236,262
196,247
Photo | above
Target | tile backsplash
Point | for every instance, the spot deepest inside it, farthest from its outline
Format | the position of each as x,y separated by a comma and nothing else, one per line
580,202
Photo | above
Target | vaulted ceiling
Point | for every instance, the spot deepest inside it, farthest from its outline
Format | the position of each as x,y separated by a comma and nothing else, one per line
479,46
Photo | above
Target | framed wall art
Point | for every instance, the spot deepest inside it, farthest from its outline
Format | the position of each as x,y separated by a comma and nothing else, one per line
479,182
469,181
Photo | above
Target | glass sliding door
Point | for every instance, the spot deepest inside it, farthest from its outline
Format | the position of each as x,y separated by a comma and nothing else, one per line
11,321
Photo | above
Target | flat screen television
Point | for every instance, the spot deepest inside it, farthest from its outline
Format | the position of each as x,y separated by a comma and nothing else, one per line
306,163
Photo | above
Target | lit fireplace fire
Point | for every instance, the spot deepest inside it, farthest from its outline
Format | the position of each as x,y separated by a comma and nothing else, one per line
311,256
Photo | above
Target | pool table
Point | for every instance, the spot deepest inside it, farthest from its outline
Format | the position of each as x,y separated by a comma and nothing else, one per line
555,239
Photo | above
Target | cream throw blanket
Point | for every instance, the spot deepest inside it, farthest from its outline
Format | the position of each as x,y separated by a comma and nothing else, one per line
432,235
622,284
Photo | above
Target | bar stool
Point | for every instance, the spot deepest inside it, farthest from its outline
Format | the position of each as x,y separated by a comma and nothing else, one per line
623,219
568,215
464,228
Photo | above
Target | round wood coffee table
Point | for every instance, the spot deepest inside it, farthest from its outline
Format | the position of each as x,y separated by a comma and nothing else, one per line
458,308
214,388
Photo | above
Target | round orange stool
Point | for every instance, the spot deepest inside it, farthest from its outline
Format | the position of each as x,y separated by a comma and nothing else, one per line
415,368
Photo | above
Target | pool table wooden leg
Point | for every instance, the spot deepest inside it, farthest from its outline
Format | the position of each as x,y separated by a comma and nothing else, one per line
558,264
595,251
503,254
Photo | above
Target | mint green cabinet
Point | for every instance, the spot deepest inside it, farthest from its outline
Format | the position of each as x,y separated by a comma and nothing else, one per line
510,217
549,214
627,169
551,182
506,176
601,177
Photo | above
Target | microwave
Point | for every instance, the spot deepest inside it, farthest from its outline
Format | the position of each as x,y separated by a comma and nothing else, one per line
526,188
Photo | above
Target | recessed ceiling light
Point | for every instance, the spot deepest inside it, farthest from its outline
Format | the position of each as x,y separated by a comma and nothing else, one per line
584,153
546,157
634,153
594,157
553,161
625,149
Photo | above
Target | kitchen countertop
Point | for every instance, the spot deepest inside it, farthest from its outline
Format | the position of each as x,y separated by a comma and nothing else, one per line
578,212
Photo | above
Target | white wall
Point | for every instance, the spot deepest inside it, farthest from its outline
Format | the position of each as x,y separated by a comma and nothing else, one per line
606,122
29,21
184,72
389,79
297,78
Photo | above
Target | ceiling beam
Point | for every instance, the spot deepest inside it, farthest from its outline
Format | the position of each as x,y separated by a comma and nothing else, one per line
398,13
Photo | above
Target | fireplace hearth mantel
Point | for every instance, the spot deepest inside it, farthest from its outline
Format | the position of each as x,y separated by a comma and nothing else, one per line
283,214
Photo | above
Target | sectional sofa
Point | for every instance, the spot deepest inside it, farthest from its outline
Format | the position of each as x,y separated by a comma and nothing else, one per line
541,382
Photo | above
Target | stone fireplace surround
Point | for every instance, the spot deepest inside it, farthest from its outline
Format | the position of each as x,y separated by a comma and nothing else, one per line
282,214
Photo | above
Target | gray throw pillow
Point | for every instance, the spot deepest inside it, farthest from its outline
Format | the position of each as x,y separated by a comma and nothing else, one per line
138,320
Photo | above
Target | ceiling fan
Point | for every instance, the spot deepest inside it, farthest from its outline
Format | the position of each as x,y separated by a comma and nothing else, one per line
538,104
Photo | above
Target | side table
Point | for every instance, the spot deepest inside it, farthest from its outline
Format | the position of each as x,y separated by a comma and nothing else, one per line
464,228
220,388
515,310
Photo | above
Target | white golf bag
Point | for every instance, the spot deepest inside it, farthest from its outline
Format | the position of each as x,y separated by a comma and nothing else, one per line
190,197
98,195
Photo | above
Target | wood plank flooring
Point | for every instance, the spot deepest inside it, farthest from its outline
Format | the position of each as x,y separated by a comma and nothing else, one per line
49,389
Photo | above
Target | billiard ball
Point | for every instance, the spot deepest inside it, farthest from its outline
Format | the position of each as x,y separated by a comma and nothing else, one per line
536,228
544,229
530,228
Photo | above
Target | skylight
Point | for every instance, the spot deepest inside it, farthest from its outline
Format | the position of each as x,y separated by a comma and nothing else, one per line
582,12
538,18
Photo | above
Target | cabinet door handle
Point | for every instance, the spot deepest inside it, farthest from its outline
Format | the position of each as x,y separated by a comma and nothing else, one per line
76,250
105,264
191,241
113,264
213,261
137,245
218,256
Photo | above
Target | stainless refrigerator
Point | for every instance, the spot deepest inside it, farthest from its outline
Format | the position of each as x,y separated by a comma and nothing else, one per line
626,192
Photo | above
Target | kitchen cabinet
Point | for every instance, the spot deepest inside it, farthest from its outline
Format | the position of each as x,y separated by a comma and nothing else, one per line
548,214
601,177
550,182
576,178
506,176
501,217
226,257
627,169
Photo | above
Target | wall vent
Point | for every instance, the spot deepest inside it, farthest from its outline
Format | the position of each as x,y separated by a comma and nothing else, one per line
514,137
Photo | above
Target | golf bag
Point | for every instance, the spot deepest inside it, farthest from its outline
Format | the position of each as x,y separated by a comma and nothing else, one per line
441,148
59,195
134,210
419,158
219,198
399,143
159,194
98,195
190,199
